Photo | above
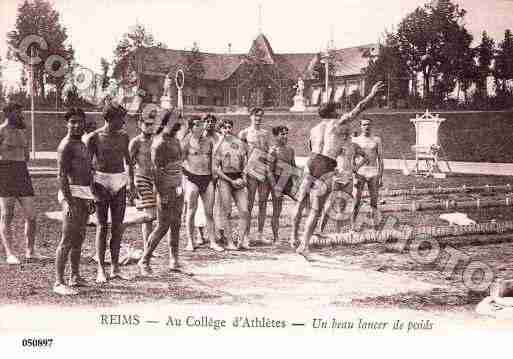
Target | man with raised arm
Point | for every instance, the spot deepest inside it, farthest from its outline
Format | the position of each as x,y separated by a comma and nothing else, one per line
321,166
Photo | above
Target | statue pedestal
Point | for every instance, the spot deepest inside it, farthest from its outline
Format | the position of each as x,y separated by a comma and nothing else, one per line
299,104
165,102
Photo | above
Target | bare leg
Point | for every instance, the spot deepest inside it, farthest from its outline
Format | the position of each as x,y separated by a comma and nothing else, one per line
101,239
225,207
264,189
275,221
192,194
76,249
372,184
6,217
297,220
311,223
357,199
117,212
70,231
146,229
241,200
208,204
252,188
29,209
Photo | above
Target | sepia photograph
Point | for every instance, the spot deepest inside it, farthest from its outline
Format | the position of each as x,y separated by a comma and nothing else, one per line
255,169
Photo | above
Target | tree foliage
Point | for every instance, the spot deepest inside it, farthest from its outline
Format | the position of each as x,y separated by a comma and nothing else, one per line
124,63
434,42
105,73
38,17
485,55
504,63
319,69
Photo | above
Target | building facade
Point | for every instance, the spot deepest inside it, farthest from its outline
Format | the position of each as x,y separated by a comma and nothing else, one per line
259,78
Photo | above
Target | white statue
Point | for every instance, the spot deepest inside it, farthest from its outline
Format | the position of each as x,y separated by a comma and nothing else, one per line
300,87
167,85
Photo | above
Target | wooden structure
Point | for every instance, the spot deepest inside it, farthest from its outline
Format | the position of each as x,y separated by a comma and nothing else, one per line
427,147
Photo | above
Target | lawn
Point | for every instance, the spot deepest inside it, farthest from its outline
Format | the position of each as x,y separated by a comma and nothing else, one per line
30,283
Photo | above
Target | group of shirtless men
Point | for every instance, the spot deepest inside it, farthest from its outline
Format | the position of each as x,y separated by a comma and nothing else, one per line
172,163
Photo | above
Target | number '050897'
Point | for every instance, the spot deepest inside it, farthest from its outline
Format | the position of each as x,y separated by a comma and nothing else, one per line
37,342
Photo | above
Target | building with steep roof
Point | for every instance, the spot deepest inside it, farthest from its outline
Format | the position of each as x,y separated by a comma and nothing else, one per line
261,77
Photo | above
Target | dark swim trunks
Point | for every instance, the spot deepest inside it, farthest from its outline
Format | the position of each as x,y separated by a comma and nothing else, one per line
319,165
201,181
15,179
234,175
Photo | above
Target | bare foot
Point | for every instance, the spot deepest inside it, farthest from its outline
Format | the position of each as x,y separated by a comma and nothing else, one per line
231,246
189,247
245,244
62,289
101,277
144,269
216,247
77,281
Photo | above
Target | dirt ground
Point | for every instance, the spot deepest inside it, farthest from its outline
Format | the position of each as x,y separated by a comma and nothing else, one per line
368,276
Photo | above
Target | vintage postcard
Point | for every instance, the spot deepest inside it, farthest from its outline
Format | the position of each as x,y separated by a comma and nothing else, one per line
255,169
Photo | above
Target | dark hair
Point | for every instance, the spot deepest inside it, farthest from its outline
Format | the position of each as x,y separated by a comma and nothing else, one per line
276,130
328,110
226,121
164,121
11,107
191,121
255,110
111,111
209,116
74,111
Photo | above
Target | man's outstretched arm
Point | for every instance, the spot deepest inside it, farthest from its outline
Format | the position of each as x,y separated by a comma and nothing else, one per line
378,86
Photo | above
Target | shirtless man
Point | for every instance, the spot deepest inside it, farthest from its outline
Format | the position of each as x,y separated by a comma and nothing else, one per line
140,157
230,158
108,146
200,220
166,159
197,169
15,182
281,154
315,145
321,166
370,174
76,195
257,138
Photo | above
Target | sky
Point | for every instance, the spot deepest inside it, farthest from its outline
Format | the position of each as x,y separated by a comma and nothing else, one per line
292,26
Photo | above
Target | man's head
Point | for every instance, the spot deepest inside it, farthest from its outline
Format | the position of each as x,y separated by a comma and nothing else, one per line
365,126
328,110
280,134
114,115
226,126
75,122
147,123
256,114
196,125
210,122
13,114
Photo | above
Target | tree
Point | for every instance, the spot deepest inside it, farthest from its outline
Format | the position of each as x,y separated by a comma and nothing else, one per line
124,62
194,66
39,18
390,67
504,62
105,73
2,90
433,41
485,55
